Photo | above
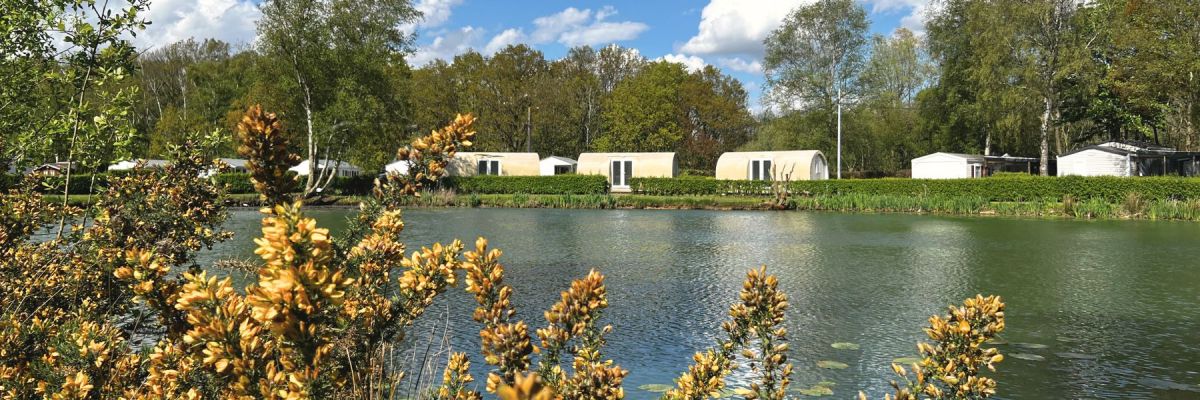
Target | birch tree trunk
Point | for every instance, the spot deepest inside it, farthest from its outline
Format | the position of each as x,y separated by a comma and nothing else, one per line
1044,167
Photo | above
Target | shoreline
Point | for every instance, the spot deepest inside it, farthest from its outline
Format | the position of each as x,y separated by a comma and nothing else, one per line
1092,210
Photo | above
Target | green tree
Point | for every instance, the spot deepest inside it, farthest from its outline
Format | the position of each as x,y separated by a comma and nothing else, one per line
341,66
886,118
714,116
86,63
813,60
1155,65
642,114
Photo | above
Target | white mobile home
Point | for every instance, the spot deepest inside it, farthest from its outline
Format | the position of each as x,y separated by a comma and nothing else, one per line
131,164
1128,159
504,164
555,165
398,167
619,167
948,166
957,165
795,165
343,169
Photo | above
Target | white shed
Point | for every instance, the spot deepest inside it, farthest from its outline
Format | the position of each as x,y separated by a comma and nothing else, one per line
399,167
236,164
948,166
344,169
130,164
555,165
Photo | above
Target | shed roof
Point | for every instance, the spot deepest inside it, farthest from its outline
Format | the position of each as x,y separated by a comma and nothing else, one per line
1132,148
560,159
968,157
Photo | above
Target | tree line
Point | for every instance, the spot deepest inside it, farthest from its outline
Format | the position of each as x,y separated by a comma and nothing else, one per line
1027,77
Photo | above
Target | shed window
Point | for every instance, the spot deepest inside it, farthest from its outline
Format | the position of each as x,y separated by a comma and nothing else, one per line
489,167
760,170
562,169
620,171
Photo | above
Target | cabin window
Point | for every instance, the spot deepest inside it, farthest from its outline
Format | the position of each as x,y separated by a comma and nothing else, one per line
760,170
620,171
489,167
562,169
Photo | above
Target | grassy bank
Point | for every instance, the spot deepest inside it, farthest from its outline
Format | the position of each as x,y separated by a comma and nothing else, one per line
1133,207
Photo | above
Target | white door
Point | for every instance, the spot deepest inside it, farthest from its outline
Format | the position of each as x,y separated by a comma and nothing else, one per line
619,172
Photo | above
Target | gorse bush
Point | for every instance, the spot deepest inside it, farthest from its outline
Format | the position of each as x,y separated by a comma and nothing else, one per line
555,184
121,309
1007,188
264,145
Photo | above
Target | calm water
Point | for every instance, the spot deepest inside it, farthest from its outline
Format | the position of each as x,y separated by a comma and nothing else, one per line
1109,307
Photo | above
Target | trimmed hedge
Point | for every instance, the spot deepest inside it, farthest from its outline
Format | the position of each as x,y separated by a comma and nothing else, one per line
239,183
356,185
556,184
235,182
1008,188
697,186
79,184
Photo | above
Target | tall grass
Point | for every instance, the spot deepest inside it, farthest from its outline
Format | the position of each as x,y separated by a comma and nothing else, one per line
1132,206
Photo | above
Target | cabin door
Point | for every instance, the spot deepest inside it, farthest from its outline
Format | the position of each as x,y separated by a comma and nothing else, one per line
620,171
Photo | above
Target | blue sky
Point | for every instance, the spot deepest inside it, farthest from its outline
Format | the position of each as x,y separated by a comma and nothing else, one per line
724,33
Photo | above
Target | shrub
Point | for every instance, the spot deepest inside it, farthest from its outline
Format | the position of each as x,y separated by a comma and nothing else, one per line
697,186
353,185
8,181
80,184
235,182
557,184
1001,188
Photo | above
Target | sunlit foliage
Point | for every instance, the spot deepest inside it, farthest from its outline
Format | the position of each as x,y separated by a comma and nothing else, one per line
951,366
265,146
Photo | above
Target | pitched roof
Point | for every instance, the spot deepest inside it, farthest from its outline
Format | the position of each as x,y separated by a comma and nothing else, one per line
563,159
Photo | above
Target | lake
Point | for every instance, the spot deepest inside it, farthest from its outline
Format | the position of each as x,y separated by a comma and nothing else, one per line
1095,309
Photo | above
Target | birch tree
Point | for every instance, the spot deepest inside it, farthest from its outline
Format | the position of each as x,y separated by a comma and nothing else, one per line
342,60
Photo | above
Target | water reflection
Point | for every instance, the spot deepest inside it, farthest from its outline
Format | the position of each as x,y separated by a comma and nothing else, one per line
1113,302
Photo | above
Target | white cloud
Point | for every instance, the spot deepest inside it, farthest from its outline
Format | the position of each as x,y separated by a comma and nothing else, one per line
233,21
508,37
741,65
570,27
738,27
603,33
918,11
448,45
574,27
434,14
692,63
548,28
